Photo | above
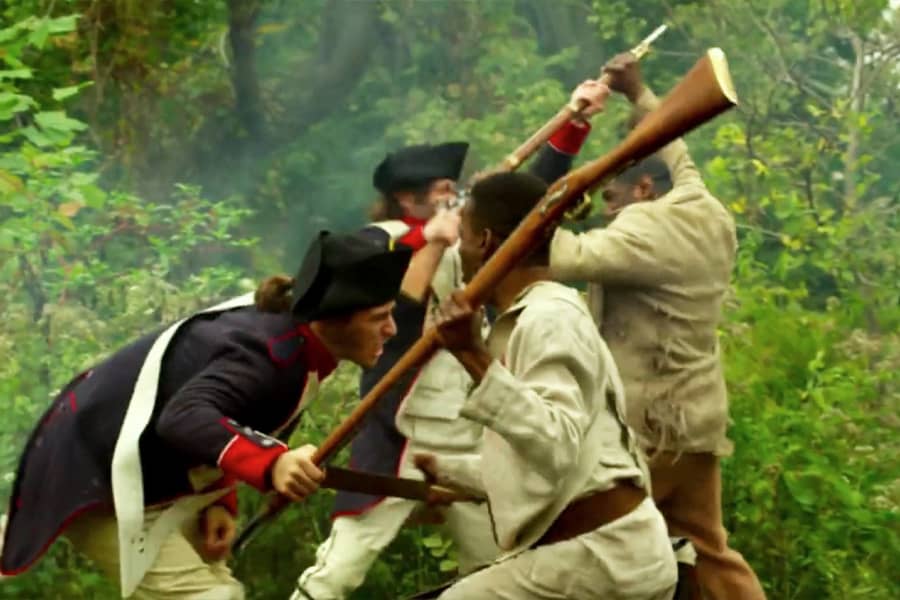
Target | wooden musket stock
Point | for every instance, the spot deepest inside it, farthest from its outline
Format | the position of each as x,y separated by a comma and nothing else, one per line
703,93
349,480
539,137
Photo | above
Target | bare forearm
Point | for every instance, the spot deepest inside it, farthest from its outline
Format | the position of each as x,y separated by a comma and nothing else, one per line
421,270
475,361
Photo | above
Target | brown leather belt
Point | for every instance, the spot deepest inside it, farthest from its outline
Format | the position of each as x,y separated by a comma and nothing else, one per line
593,511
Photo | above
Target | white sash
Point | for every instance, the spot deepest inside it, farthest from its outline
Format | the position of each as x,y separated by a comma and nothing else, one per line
138,548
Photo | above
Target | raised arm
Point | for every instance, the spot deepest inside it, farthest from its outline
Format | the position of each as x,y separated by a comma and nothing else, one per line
555,158
629,251
428,241
625,77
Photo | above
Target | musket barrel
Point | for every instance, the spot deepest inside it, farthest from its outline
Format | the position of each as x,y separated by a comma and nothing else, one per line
546,131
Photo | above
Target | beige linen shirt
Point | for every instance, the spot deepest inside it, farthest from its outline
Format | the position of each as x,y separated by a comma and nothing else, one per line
552,407
428,415
663,268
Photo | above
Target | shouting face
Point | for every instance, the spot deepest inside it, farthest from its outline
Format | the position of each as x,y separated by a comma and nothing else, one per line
360,338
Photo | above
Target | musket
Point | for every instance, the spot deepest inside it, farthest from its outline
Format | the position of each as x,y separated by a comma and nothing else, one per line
350,480
539,137
362,482
705,92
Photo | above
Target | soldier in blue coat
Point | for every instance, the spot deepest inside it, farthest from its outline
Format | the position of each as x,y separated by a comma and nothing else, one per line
141,452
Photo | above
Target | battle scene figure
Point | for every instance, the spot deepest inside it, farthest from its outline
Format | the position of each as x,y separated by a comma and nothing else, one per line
659,272
421,412
136,459
566,486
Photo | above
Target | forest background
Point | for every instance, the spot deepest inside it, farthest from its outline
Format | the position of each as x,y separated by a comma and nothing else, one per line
159,155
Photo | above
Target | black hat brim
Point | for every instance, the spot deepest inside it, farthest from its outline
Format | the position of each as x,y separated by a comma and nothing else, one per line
345,274
415,166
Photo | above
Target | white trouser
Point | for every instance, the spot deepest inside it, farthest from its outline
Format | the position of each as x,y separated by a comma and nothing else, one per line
429,419
355,542
179,572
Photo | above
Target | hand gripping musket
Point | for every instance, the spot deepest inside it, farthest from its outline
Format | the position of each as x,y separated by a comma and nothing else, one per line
703,93
539,137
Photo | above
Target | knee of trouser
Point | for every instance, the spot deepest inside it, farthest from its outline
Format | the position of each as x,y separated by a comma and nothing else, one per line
327,584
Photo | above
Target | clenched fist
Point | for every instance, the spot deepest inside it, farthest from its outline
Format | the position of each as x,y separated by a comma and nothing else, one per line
218,529
294,475
443,227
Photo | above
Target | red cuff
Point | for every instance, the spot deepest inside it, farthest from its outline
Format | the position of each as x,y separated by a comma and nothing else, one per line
415,239
569,138
250,462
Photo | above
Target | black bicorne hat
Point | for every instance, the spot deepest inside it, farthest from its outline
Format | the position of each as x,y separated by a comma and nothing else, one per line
344,273
414,166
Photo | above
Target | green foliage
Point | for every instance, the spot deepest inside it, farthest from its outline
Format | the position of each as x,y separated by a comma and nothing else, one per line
812,488
83,270
115,114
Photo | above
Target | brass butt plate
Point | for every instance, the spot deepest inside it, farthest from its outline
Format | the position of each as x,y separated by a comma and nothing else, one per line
723,75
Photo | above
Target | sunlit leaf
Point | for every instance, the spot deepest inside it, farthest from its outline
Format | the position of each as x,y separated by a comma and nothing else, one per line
15,74
9,182
70,209
58,121
67,92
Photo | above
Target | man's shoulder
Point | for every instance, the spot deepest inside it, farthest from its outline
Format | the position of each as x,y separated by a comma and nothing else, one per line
554,321
258,338
686,205
691,195
552,302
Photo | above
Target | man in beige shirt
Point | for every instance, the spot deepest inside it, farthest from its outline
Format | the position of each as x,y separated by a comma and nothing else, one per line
560,469
421,412
659,272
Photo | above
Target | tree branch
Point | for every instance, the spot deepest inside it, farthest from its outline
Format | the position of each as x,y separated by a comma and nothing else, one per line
346,46
857,101
242,16
780,54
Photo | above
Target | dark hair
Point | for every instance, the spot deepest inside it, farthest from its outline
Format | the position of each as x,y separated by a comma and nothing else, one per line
500,201
387,207
654,168
273,295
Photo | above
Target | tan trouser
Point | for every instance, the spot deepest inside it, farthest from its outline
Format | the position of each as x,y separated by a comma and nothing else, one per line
179,572
628,559
688,492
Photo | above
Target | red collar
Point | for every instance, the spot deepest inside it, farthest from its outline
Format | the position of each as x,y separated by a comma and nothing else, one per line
414,221
320,359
